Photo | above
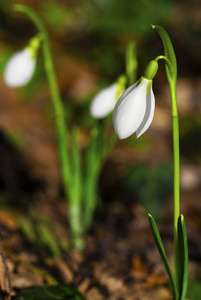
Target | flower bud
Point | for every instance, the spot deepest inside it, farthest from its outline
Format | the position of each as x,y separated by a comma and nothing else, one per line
19,69
21,65
104,102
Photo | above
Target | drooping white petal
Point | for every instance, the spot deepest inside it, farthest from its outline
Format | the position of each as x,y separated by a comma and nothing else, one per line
126,92
104,102
149,114
130,110
19,69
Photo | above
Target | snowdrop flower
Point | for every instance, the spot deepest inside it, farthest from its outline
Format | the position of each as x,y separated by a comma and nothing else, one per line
19,69
21,65
134,110
104,102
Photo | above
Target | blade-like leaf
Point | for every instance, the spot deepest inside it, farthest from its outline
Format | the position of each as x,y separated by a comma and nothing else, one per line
47,238
92,165
163,255
77,175
169,52
183,257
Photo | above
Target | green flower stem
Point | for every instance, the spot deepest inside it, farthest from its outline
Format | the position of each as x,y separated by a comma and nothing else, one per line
176,158
175,128
99,147
164,58
171,72
62,134
56,99
131,62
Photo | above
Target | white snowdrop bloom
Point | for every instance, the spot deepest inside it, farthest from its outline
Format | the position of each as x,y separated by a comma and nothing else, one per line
134,110
20,68
104,102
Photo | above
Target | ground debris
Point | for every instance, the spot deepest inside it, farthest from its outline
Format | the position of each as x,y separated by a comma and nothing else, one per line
5,285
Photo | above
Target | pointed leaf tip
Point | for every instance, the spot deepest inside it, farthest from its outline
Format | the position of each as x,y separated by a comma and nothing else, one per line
183,250
181,217
169,53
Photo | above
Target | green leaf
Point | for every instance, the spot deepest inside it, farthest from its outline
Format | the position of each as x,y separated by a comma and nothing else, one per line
163,255
27,228
60,292
77,175
46,237
75,201
92,166
183,257
169,53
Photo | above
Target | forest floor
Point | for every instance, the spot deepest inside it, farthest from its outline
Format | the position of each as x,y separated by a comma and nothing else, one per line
120,260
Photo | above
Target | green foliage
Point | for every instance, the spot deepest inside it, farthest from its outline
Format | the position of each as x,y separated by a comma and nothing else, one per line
47,238
38,230
111,24
60,292
194,288
153,185
128,16
26,227
56,14
178,285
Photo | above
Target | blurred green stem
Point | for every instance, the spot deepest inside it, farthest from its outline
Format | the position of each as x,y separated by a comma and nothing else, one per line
131,63
62,134
93,165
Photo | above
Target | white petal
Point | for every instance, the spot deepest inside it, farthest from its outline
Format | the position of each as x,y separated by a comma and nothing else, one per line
127,91
130,110
19,69
104,102
149,114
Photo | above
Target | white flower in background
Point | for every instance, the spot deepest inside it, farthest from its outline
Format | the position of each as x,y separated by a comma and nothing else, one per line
134,110
20,68
104,102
